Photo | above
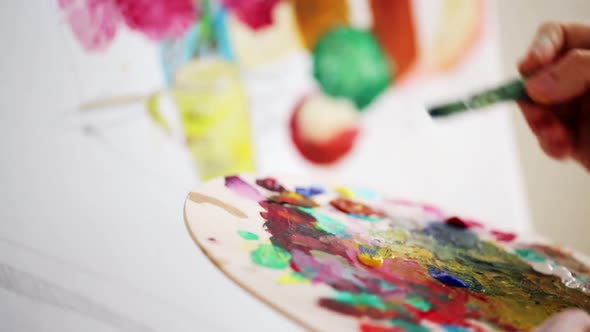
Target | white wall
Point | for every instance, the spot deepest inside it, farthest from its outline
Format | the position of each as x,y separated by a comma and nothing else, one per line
558,192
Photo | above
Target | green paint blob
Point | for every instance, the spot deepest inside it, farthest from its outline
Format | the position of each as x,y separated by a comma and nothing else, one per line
248,235
350,63
361,299
530,255
419,303
409,327
271,256
327,223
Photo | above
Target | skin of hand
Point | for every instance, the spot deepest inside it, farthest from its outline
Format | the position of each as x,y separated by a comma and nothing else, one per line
573,320
557,71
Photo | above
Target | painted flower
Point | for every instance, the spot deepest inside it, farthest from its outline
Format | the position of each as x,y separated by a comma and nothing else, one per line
257,14
159,19
93,22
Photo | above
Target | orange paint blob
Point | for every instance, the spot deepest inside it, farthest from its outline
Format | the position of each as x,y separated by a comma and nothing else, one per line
393,25
316,17
370,261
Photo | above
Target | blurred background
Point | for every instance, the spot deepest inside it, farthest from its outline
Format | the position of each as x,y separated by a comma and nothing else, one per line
113,110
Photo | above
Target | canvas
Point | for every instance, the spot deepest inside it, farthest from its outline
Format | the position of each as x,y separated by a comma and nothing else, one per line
349,259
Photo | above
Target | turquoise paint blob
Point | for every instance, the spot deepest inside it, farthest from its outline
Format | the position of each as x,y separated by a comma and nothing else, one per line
365,193
419,303
365,218
220,25
530,255
327,223
174,53
248,235
361,299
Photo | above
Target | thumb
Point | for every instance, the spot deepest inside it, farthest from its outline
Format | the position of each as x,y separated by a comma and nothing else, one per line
566,79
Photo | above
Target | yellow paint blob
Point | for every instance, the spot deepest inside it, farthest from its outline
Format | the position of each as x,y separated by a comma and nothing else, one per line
345,192
293,195
371,261
292,278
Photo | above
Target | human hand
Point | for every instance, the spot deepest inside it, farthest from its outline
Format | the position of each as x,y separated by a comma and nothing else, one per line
572,320
557,68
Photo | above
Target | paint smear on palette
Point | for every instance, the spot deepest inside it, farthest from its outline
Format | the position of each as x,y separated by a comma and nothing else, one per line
242,188
200,198
395,275
248,235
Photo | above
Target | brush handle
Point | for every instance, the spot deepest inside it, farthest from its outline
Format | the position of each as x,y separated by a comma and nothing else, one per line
513,90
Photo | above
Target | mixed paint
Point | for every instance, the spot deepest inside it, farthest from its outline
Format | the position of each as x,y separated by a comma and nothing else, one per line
402,266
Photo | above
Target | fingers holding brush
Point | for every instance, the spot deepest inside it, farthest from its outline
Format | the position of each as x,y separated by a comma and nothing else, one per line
552,40
553,136
557,71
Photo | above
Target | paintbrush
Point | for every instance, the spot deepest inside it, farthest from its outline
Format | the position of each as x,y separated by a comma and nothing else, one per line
513,90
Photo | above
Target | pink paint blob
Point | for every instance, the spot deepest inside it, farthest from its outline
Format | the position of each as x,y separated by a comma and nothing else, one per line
257,14
242,188
159,19
503,236
93,22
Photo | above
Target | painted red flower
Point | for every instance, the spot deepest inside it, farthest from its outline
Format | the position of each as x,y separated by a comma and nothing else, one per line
257,14
93,22
158,19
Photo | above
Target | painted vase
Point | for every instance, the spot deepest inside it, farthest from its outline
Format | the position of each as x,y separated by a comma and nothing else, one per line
215,117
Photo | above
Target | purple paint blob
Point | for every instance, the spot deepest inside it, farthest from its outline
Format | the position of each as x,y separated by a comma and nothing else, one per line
242,188
447,278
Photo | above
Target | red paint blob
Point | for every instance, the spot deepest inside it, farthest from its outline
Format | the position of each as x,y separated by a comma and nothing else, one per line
369,327
270,184
212,239
456,222
349,206
503,236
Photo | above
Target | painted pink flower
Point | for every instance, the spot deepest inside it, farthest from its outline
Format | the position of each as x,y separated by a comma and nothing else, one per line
257,14
158,19
93,22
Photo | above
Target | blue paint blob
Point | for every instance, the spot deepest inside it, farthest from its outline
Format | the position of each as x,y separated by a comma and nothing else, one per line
309,192
454,328
447,278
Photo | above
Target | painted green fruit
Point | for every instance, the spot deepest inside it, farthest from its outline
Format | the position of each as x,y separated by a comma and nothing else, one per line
349,63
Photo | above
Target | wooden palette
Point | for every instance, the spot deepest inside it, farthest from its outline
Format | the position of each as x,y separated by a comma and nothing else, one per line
349,259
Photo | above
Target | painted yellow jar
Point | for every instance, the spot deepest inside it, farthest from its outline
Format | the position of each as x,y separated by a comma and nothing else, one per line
214,113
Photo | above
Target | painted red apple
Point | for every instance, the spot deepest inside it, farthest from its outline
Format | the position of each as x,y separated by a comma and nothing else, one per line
324,129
